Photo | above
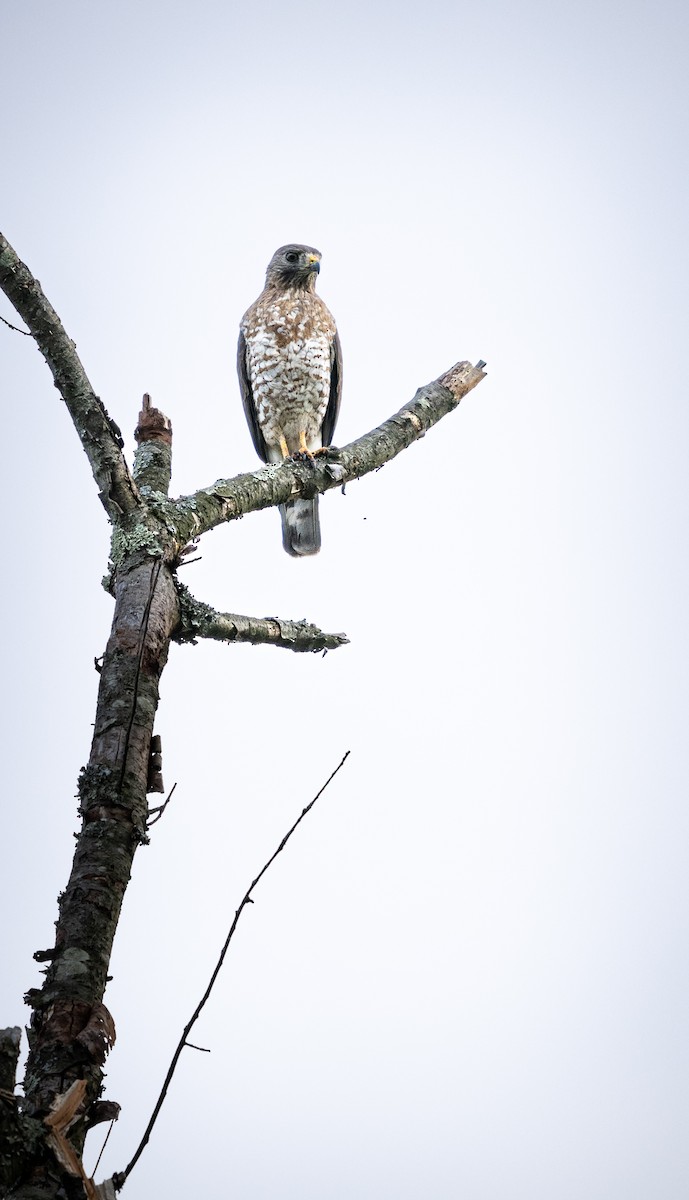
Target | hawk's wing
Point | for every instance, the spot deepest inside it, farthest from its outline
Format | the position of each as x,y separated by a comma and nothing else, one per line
330,418
248,399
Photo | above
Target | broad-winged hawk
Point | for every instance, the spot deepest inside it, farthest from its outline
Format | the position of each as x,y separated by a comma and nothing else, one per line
290,375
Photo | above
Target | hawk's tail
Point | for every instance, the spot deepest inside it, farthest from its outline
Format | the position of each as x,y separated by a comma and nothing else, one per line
301,528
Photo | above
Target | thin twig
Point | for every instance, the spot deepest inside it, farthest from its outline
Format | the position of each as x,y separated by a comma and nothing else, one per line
159,809
102,1149
120,1178
26,332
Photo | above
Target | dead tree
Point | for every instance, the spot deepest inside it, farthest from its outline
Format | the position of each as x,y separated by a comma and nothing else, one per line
42,1133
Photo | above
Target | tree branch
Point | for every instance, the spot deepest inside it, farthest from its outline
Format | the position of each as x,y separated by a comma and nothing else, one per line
120,1179
100,436
153,458
229,499
299,636
199,620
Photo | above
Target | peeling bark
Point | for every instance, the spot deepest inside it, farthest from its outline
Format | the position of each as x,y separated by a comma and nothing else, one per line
71,1030
112,803
9,1056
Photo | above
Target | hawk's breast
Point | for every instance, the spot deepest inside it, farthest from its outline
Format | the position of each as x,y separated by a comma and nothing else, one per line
288,344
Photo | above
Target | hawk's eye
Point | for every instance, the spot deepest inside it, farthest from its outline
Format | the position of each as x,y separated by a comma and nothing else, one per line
292,257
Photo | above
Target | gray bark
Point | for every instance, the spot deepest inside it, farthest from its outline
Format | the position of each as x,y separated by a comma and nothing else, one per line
199,620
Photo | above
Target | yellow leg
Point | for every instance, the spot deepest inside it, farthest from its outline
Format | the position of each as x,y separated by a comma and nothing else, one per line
302,444
284,450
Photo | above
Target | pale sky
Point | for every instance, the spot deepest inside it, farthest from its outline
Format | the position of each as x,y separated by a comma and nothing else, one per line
467,975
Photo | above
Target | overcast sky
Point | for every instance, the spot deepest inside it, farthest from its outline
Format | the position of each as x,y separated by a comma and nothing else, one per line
467,975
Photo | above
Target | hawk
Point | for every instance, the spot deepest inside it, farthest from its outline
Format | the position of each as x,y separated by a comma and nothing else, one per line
289,362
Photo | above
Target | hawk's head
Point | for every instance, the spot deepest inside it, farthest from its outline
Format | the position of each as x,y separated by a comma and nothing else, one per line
294,267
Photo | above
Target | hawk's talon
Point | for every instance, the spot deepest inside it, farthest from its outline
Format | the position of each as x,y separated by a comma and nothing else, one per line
303,448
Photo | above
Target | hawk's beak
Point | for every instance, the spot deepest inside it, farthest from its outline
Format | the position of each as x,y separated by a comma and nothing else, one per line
314,264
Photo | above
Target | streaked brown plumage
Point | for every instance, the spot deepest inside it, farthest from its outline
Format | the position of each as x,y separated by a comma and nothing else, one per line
290,375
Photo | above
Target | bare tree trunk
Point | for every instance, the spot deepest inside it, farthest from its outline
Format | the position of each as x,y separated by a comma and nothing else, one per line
71,1030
